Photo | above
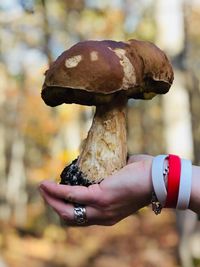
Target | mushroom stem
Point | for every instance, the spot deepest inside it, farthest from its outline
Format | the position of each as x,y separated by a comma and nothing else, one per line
105,148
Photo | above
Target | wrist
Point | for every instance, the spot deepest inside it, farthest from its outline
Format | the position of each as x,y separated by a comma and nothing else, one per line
149,181
175,191
147,185
195,197
139,183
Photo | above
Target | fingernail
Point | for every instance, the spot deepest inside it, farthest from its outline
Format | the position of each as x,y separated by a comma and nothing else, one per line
41,191
42,187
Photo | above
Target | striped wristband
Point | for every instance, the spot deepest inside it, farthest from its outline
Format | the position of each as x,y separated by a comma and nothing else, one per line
185,185
173,181
157,178
179,175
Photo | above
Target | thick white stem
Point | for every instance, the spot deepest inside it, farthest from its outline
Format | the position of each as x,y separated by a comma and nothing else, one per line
105,149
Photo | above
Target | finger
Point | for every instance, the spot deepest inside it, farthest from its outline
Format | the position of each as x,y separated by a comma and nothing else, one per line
77,194
57,205
66,212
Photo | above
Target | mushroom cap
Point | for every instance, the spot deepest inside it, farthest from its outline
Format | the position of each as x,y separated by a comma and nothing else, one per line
93,72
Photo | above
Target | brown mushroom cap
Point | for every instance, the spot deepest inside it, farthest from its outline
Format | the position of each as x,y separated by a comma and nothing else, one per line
93,72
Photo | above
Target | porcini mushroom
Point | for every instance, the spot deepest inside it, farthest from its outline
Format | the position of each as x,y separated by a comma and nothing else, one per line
105,74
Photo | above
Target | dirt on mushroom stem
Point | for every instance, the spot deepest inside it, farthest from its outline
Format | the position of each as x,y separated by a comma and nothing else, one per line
105,148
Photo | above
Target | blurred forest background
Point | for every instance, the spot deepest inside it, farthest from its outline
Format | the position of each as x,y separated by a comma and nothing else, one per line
37,141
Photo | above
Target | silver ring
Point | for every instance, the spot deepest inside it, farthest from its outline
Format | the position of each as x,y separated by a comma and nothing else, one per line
80,214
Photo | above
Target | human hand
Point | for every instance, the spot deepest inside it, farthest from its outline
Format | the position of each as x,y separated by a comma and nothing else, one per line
115,198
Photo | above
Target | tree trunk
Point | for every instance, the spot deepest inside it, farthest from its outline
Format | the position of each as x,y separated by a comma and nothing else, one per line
3,205
47,36
16,183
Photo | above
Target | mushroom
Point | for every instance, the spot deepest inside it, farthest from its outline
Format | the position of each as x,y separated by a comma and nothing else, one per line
105,74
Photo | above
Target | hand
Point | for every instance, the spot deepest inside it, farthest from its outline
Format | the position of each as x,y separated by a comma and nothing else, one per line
115,198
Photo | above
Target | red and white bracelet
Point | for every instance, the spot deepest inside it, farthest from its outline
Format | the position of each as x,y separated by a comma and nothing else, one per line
171,178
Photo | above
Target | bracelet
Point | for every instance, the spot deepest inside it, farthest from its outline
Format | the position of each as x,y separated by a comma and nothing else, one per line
185,185
171,183
158,179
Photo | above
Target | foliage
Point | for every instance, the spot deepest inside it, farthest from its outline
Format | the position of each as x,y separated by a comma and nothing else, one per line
37,141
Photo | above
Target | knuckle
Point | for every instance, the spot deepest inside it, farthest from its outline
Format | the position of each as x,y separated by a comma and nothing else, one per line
70,197
111,222
64,216
131,159
95,193
104,202
109,214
